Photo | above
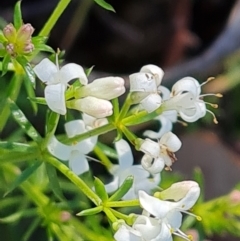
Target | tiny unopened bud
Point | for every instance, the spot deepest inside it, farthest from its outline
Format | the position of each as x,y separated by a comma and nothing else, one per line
104,88
92,106
10,32
28,48
235,196
65,216
25,32
10,49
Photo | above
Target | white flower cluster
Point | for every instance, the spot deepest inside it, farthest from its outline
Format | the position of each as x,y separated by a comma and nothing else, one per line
94,101
162,215
161,218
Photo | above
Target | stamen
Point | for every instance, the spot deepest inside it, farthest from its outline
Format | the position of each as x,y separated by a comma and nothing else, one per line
182,235
192,214
211,104
208,80
211,94
182,123
214,117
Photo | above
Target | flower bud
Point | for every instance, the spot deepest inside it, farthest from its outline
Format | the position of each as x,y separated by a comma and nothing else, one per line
10,49
104,88
25,32
92,106
10,33
28,48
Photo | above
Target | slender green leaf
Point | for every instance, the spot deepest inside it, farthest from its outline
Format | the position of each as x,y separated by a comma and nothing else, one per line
39,39
17,16
108,151
31,228
21,119
100,189
15,146
5,62
31,93
23,176
104,5
38,100
123,189
53,181
90,211
44,48
30,75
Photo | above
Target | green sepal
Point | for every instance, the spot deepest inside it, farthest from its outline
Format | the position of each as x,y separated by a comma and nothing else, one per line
108,151
30,75
119,136
17,15
123,189
2,37
88,71
39,40
90,211
23,176
105,5
24,123
38,100
100,189
54,181
5,62
31,94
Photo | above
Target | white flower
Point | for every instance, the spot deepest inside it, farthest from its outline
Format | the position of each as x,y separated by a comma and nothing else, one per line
142,181
92,122
56,80
75,153
92,106
166,119
157,155
168,213
126,233
106,88
145,87
186,99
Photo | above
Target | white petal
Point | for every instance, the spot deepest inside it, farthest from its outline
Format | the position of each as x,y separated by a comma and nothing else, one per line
112,186
150,147
142,82
154,206
46,71
165,234
72,71
153,166
178,190
166,126
86,145
55,98
187,84
164,92
151,102
78,162
148,227
124,152
155,70
75,127
174,219
93,106
125,233
171,141
58,149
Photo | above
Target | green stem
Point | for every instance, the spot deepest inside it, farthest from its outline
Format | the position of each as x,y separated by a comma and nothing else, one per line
142,117
101,155
52,123
125,108
130,136
109,214
118,204
74,179
94,132
54,17
12,93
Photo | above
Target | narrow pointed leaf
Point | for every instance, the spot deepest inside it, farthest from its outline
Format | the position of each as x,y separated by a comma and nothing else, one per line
53,181
23,122
30,75
39,39
31,228
17,16
104,5
90,211
5,63
38,100
23,176
100,189
123,189
44,48
89,70
108,151
15,146
31,94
